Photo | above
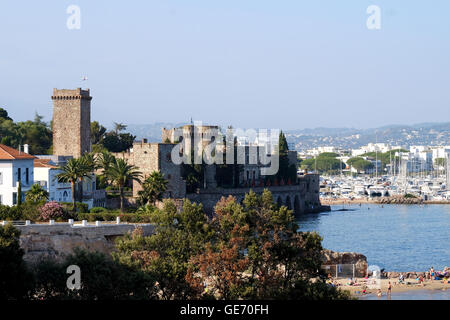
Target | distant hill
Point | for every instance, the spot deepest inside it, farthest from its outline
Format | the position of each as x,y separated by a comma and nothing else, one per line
397,135
347,138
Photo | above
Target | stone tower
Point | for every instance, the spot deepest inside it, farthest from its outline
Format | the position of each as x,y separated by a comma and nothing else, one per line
71,122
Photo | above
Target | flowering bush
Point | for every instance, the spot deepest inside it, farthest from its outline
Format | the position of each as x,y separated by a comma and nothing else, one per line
52,211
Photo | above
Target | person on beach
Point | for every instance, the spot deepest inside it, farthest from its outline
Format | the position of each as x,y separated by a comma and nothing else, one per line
431,273
421,280
379,294
389,290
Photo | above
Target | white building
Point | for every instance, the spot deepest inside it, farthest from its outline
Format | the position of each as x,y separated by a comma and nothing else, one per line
45,173
371,147
15,166
319,150
440,152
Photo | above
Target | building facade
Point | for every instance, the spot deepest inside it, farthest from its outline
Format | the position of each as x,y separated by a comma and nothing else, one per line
15,167
45,175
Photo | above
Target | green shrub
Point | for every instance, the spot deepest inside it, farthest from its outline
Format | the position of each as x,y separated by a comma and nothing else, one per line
15,280
81,207
98,210
9,213
30,210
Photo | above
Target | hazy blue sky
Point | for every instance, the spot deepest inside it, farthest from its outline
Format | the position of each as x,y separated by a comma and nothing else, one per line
251,63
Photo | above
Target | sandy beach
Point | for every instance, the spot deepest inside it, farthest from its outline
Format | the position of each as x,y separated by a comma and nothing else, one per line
408,285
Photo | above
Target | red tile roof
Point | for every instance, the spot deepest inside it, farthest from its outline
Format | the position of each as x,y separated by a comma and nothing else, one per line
8,153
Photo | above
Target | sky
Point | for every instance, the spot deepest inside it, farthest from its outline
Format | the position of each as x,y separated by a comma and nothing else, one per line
286,64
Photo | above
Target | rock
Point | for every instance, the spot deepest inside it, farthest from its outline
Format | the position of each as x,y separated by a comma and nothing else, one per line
359,260
393,275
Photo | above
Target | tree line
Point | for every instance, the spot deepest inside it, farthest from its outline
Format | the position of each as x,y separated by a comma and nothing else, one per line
39,136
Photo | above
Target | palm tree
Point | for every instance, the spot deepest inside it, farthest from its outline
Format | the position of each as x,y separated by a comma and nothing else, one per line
104,161
153,188
90,161
90,164
37,194
121,173
118,127
73,172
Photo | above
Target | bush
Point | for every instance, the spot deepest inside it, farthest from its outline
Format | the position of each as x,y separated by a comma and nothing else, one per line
53,211
10,213
26,211
30,210
81,207
98,210
15,280
102,279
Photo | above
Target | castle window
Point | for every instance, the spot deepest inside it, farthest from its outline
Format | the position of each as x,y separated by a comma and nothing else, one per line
169,158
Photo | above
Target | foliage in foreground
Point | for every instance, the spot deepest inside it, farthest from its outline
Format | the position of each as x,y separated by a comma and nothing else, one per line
15,279
246,251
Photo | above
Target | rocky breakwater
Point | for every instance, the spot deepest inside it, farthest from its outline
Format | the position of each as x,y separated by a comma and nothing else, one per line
59,240
406,275
331,259
399,200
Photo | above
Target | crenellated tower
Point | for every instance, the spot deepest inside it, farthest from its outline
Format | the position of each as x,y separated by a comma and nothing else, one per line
71,122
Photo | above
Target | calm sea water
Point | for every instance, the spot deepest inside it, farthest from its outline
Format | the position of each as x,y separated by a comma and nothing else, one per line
412,295
395,237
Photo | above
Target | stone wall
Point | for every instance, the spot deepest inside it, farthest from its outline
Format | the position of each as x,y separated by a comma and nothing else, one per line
57,241
150,157
292,196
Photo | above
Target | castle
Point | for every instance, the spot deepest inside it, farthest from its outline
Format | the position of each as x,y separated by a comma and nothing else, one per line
71,126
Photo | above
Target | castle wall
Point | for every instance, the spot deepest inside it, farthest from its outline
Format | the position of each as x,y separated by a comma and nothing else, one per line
149,157
294,197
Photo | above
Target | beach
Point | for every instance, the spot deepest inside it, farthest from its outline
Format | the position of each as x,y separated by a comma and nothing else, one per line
408,285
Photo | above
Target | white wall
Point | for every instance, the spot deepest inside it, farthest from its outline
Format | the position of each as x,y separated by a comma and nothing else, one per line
9,172
46,177
6,184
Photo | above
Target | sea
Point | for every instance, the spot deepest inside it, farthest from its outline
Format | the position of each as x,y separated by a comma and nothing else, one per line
398,238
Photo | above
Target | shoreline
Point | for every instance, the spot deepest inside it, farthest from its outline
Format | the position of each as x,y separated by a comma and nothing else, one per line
409,285
330,202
